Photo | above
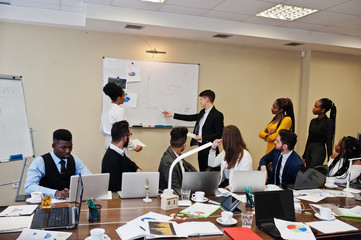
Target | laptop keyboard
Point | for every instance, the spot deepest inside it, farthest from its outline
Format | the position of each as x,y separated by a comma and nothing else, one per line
58,217
271,229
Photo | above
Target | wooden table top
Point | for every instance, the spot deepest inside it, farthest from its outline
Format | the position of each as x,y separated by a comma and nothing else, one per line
117,212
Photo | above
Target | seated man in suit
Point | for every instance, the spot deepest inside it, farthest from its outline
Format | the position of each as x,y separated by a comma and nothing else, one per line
177,145
50,173
115,162
285,161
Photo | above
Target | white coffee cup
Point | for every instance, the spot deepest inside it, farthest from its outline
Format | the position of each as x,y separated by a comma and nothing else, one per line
97,234
36,196
330,181
226,216
198,196
325,213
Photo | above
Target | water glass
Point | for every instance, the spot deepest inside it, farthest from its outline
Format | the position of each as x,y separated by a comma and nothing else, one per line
247,218
186,193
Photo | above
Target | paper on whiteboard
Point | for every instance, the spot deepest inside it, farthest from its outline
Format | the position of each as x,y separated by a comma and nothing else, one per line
130,100
133,71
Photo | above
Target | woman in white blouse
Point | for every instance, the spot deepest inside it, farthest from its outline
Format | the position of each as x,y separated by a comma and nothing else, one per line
114,114
347,147
234,156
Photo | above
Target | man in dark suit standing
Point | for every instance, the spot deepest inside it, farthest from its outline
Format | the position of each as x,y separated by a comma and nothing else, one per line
209,125
285,161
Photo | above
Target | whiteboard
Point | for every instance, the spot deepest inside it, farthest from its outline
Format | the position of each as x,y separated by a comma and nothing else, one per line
14,128
153,87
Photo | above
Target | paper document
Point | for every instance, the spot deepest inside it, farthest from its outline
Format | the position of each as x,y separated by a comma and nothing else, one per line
201,210
33,234
137,142
199,229
354,212
19,210
191,135
294,230
332,226
15,224
157,229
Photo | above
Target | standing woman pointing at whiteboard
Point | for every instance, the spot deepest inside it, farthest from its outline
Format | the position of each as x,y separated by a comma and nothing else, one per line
114,114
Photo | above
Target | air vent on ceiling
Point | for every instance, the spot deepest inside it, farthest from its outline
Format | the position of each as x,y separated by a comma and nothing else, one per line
293,44
222,36
136,27
5,2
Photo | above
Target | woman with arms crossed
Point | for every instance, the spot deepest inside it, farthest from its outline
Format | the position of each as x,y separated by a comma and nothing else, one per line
284,118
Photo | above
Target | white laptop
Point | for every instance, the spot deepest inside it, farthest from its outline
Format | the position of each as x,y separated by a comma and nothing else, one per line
241,179
95,186
133,184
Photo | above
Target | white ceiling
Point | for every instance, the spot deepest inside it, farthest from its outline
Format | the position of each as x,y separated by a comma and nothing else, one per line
336,27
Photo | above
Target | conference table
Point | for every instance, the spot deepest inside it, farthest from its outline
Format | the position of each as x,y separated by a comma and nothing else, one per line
117,212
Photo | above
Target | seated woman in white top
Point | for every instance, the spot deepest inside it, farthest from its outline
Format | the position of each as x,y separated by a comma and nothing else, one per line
234,156
347,147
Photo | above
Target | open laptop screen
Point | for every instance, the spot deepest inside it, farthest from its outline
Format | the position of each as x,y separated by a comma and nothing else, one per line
274,204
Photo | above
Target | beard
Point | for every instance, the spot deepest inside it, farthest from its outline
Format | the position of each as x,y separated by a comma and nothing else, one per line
126,143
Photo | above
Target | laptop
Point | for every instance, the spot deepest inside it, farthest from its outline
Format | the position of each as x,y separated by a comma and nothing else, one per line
206,182
273,204
133,184
95,186
59,218
309,179
242,179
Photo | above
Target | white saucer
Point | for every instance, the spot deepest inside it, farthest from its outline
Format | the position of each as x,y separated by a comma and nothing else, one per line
232,222
331,186
201,201
105,237
326,219
30,200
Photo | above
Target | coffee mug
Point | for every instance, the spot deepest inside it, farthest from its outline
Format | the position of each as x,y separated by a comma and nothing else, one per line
330,181
97,234
36,196
325,213
198,196
226,216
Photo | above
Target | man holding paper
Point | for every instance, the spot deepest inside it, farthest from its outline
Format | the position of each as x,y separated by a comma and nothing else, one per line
209,125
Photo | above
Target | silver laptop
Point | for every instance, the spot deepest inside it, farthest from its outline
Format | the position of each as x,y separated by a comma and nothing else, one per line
241,179
133,184
95,186
201,181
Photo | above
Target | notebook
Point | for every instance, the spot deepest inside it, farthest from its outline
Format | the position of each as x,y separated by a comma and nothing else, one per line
273,204
201,181
241,233
95,186
59,218
133,184
309,179
242,179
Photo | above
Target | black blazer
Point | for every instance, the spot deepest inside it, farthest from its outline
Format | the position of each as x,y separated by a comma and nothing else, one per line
212,127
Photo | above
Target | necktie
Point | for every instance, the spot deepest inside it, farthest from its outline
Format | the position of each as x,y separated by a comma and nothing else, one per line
278,170
196,129
62,170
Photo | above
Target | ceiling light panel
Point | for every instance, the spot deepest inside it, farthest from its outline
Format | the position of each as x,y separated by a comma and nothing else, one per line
286,12
155,1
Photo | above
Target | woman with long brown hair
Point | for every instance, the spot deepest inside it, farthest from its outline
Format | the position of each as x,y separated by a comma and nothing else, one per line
235,155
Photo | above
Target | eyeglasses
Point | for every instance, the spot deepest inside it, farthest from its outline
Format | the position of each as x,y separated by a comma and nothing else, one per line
130,134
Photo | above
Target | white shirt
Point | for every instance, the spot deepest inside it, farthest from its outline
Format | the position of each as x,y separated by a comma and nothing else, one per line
113,115
245,164
115,148
283,163
202,121
355,172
